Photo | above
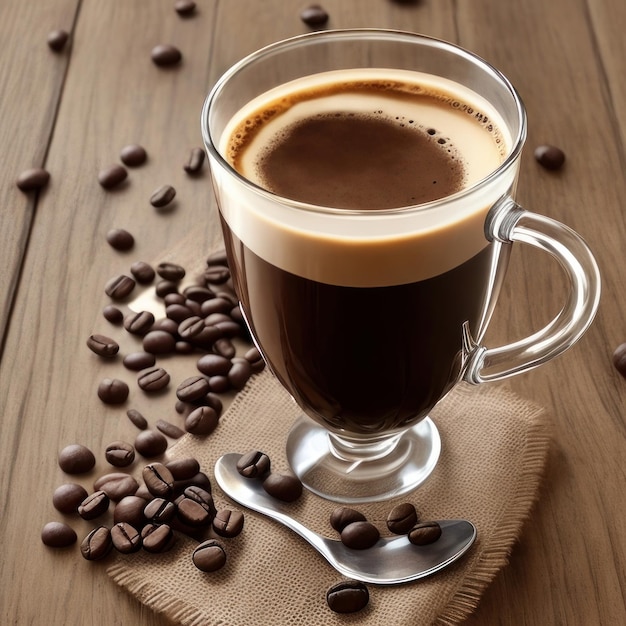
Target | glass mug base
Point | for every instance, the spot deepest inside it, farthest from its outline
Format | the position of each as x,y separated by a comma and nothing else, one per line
342,472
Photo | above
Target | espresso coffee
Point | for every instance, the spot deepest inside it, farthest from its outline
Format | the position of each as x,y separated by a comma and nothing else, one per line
362,302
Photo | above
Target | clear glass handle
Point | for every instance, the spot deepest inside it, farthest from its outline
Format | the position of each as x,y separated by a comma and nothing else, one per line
508,223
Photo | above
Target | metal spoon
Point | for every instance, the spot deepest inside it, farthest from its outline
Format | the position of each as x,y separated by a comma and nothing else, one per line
390,561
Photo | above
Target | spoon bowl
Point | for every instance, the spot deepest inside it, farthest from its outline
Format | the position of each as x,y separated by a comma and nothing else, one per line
391,561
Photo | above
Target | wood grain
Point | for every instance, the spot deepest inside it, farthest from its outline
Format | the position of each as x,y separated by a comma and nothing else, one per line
73,113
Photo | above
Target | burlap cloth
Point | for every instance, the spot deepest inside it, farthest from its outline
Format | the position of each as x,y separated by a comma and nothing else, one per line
494,447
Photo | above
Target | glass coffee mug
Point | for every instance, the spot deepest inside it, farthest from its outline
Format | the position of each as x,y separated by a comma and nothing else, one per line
365,181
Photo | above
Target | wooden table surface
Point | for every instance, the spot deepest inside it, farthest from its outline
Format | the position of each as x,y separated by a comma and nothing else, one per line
72,111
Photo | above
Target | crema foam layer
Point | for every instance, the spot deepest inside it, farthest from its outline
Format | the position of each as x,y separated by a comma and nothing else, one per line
458,135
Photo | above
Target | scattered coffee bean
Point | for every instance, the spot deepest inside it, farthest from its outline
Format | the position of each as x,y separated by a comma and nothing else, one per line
150,444
215,305
165,287
94,505
133,155
119,287
213,400
550,157
116,485
199,480
314,15
214,365
137,419
198,293
402,518
195,162
219,257
139,323
424,533
227,523
125,538
225,347
166,324
103,345
76,459
58,535
203,420
165,55
159,342
120,453
209,556
184,468
348,596
158,479
157,537
219,384
169,429
254,464
216,275
143,272
619,359
153,379
285,487
57,40
195,507
97,544
112,314
162,196
112,176
32,179
112,391
138,361
360,535
68,496
193,388
342,516
120,239
185,7
171,271
184,347
239,374
130,510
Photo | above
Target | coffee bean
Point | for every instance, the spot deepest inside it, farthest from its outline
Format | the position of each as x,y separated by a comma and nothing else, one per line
153,379
120,239
219,384
58,535
68,496
198,480
57,40
94,505
169,429
619,359
130,510
158,480
314,15
285,487
190,326
424,533
120,454
97,544
360,535
348,596
195,161
209,556
32,179
239,374
183,468
112,391
199,294
160,511
215,305
219,257
171,271
133,155
224,347
112,314
216,275
254,464
165,55
103,345
116,485
213,365
159,342
157,537
342,516
143,272
137,419
137,361
550,157
119,287
76,459
162,196
165,287
166,324
203,420
253,355
402,518
112,176
213,400
193,388
125,538
150,443
184,347
185,7
227,523
195,507
139,323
